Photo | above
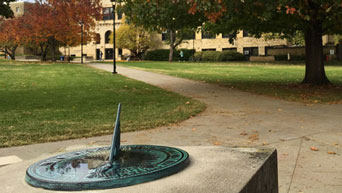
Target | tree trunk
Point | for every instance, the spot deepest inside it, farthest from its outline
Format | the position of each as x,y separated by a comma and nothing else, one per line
172,42
314,67
11,52
44,51
53,49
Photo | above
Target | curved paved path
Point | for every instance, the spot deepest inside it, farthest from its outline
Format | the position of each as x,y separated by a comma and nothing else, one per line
235,118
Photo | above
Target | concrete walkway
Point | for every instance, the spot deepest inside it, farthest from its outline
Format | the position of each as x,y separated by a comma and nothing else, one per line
235,118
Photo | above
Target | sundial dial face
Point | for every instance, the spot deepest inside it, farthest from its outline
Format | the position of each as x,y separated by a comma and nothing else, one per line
89,169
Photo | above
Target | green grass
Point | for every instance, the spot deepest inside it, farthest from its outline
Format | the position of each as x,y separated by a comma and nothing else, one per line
52,102
278,79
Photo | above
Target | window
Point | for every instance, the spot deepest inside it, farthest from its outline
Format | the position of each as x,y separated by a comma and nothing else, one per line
98,38
120,52
109,53
229,49
208,35
208,49
165,36
251,51
227,35
190,36
107,13
119,14
17,9
107,37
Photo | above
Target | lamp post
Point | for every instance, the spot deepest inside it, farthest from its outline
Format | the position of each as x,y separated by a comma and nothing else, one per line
81,23
114,52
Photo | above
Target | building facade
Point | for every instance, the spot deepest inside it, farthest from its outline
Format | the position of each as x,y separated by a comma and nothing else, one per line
201,42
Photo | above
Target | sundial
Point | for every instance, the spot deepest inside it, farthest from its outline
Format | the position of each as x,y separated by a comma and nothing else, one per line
107,167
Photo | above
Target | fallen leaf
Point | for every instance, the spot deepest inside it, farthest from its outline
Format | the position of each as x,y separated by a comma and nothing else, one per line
188,102
265,143
193,129
335,144
315,101
332,152
314,148
280,110
254,137
243,133
217,143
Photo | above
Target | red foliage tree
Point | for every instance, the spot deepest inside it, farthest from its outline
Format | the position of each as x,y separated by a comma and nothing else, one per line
51,23
10,36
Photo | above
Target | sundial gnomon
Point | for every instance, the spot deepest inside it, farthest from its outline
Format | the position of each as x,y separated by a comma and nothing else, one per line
107,167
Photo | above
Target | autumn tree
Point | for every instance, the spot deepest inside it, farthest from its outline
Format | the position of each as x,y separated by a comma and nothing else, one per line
10,35
168,16
52,23
313,18
5,9
136,39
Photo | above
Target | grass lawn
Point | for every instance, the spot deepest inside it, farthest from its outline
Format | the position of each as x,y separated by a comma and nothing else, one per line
280,80
51,102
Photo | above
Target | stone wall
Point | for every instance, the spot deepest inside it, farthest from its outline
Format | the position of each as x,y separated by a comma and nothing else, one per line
297,51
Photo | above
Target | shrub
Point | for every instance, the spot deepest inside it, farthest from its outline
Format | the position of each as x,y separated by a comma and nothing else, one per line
211,56
219,56
163,55
232,56
198,56
157,55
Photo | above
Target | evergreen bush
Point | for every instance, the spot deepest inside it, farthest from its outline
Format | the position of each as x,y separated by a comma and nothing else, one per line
217,56
163,55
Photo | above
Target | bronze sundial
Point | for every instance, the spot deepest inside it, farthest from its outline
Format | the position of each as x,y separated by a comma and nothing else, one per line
107,167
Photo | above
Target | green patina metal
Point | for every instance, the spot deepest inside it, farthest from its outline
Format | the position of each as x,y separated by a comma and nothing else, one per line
115,147
107,167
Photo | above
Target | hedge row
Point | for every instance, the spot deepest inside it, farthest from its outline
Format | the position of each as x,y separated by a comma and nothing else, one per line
219,56
163,55
210,56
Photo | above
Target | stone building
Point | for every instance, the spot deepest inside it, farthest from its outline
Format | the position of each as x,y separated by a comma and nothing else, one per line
201,42
19,9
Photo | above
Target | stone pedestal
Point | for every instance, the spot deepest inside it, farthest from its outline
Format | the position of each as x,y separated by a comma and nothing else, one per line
211,169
